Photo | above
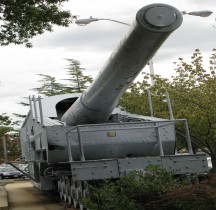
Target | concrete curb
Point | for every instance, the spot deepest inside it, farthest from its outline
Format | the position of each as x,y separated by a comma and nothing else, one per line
3,198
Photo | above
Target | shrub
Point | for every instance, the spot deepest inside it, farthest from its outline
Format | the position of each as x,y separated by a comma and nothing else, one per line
131,192
147,185
108,196
191,197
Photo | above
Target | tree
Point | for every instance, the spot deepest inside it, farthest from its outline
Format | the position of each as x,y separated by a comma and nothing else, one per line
194,94
21,20
193,97
6,126
77,80
4,120
49,86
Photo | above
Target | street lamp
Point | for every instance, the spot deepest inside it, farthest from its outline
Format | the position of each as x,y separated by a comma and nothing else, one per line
203,13
83,22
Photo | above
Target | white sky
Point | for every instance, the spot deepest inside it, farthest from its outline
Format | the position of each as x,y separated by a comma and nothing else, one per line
93,44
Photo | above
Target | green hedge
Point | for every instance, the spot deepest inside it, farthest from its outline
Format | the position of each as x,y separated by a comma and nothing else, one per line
152,189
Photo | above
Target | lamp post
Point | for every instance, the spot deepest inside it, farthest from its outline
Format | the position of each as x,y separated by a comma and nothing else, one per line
203,13
84,22
5,149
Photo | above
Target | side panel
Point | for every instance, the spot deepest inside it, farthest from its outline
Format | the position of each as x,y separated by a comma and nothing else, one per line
107,169
185,164
92,170
109,141
33,141
36,170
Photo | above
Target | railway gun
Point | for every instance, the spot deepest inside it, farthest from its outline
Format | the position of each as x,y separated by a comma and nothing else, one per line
71,139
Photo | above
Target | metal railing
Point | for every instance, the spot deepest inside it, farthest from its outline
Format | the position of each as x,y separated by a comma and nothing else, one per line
34,108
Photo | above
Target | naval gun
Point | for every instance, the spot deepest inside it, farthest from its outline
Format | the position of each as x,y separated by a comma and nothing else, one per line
71,139
152,26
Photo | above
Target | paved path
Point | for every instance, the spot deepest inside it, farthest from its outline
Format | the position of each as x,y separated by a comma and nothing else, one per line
23,196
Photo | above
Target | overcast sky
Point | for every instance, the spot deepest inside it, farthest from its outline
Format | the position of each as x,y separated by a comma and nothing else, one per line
92,45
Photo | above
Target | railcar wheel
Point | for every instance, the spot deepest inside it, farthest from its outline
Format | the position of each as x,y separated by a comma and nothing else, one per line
62,188
67,189
52,173
72,191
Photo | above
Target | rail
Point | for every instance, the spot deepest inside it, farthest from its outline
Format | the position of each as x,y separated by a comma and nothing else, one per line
34,108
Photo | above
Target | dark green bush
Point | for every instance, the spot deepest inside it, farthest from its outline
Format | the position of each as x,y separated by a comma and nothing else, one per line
212,180
131,192
192,197
147,185
153,189
108,196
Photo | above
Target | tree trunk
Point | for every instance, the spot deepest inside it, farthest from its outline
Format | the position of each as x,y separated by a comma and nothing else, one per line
213,159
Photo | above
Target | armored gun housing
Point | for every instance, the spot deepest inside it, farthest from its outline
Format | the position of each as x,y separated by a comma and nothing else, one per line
71,139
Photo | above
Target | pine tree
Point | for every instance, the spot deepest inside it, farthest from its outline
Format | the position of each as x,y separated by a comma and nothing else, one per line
49,86
77,80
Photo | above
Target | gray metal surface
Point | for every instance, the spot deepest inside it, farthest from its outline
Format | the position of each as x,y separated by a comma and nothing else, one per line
119,140
114,168
186,164
130,164
93,170
152,26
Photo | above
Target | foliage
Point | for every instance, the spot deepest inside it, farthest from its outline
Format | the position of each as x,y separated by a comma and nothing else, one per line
133,191
134,99
13,147
22,103
5,120
12,143
109,196
194,94
193,97
21,20
191,197
149,184
49,86
153,188
77,80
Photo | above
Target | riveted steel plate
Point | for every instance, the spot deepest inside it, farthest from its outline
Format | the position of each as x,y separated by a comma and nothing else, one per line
183,164
92,170
130,164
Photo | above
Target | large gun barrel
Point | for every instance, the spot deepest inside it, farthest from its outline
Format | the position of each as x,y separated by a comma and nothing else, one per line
153,24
